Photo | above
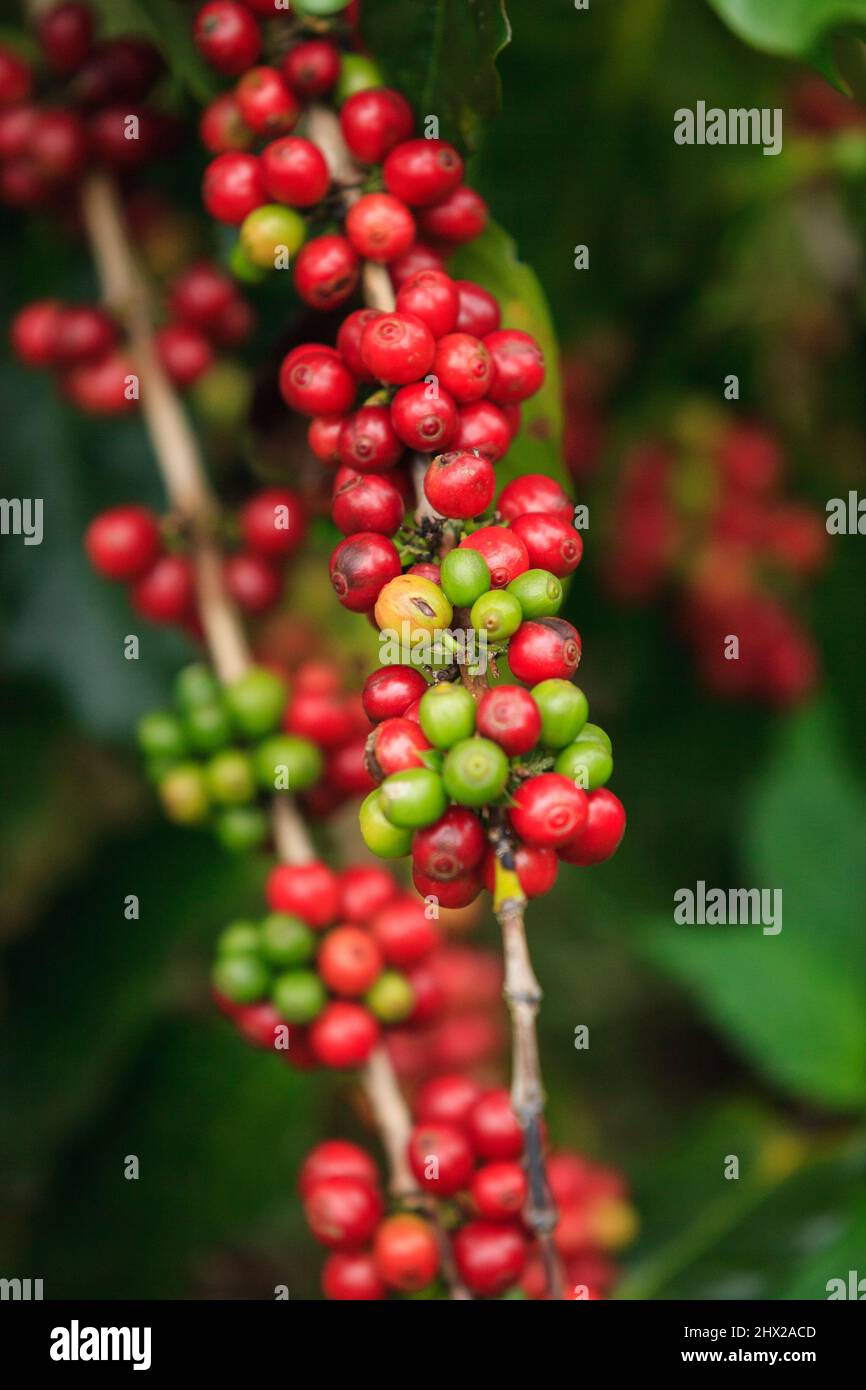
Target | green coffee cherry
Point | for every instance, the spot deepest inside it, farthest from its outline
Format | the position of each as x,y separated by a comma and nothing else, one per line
446,714
196,685
413,798
272,231
243,268
241,978
285,762
222,394
256,701
587,763
464,576
475,772
497,613
160,736
184,796
379,835
239,939
391,997
595,734
538,592
563,708
286,940
298,996
208,727
241,828
230,779
356,75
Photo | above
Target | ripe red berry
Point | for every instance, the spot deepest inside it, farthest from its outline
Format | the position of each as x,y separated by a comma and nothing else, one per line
423,417
360,566
403,932
493,1128
222,127
549,810
351,1275
446,1100
460,485
395,745
323,437
364,888
257,1024
374,121
505,553
509,715
315,381
16,78
389,691
380,227
84,334
119,70
349,961
518,365
536,870
432,296
440,1158
368,441
422,172
750,459
343,1035
367,502
453,846
166,592
227,36
22,185
34,333
59,145
552,542
123,543
463,366
483,426
308,891
406,1253
336,1158
544,649
534,492
602,833
273,522
477,312
312,67
294,171
418,257
499,1190
65,34
322,716
266,103
17,124
233,187
457,892
184,351
107,386
397,348
460,217
489,1258
253,584
201,294
327,270
349,341
342,1213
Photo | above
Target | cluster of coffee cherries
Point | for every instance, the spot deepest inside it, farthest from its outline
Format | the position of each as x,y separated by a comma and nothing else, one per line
702,512
130,545
85,106
219,753
458,1020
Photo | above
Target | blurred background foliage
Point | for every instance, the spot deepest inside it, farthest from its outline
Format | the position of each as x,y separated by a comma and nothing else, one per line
704,1042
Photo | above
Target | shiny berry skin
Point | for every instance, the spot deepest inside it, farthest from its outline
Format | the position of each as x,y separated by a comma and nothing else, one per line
460,485
327,270
273,523
394,746
397,348
360,567
342,1213
34,333
65,34
222,128
312,67
489,1258
184,351
343,1035
505,553
440,1157
389,691
294,171
233,187
463,366
351,1276
602,833
123,543
374,121
493,1128
84,334
368,441
553,543
509,715
315,381
423,421
447,714
455,893
363,890
475,772
454,845
16,78
367,502
518,365
477,310
102,387
349,341
380,227
499,1190
460,217
403,933
349,961
421,172
227,36
253,584
266,103
483,426
446,1100
323,437
432,296
166,592
406,1253
308,891
536,870
548,811
419,257
544,649
564,710
534,493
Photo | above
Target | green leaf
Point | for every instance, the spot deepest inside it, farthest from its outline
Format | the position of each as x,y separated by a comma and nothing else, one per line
492,261
794,29
442,54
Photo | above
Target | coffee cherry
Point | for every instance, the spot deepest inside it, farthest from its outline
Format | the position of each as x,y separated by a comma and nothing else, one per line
460,485
380,227
534,492
294,171
227,36
427,571
564,710
308,891
421,172
123,543
497,613
34,333
258,1023
451,847
587,763
475,772
201,295
59,145
16,78
286,762
553,544
315,381
390,690
266,103
183,795
509,715
602,833
391,998
196,686
344,1035
440,1157
430,295
447,714
493,1128
222,128
499,1190
327,270
544,649
412,599
446,1100
363,890
84,334
166,592
423,422
65,34
269,231
230,778
336,1158
489,1258
349,961
483,428
321,715
342,1213
548,811
394,746
233,187
460,217
256,701
285,941
403,932
517,365
462,365
184,351
536,870
312,67
538,592
351,1275
208,727
456,893
272,523
361,568
241,977
323,437
298,996
397,348
405,1253
505,553
349,341
366,502
419,257
379,835
464,577
477,310
346,770
374,121
161,736
413,798
368,441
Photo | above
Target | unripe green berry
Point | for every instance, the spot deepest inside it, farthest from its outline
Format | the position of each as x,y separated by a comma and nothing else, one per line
239,939
587,763
196,685
285,762
299,996
208,727
413,798
160,735
563,708
475,772
390,998
222,394
230,779
497,613
272,231
256,701
538,592
446,714
286,940
594,733
241,978
465,576
242,267
379,835
356,75
241,828
183,793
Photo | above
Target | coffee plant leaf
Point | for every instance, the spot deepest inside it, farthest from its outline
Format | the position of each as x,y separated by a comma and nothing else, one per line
808,30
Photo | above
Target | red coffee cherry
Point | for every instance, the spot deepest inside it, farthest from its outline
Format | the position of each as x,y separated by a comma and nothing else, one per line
548,811
342,1213
59,145
489,1258
294,171
463,366
440,1158
368,441
273,523
201,294
406,1253
460,485
227,36
397,348
266,103
602,832
257,1024
518,365
346,769
349,341
315,381
102,387
389,691
446,1100
349,961
403,932
483,426
33,333
544,649
505,553
367,502
16,78
430,295
453,846
343,1035
120,70
323,437
84,334
374,121
22,185
364,888
493,1128
312,67
422,172
123,543
327,270
17,124
360,566
166,592
184,351
424,420
477,312
536,870
552,542
255,585
418,257
534,492
395,745
460,217
65,34
457,892
112,144
233,187
222,128
499,1191
322,716
308,891
509,715
351,1275
380,227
